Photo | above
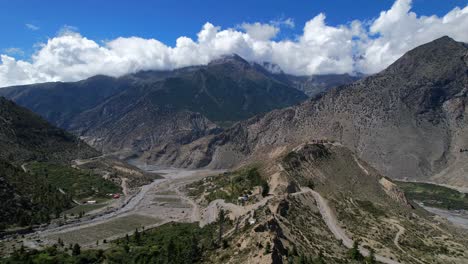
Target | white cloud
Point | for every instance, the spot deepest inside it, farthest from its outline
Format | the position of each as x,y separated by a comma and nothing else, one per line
398,30
320,49
288,22
31,27
14,51
260,31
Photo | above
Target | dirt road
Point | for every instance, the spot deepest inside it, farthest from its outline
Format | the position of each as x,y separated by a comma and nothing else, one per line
332,223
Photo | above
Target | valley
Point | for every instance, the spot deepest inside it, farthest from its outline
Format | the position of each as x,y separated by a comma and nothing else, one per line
235,161
150,205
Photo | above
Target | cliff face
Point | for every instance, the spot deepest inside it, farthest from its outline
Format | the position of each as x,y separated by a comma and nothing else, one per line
409,121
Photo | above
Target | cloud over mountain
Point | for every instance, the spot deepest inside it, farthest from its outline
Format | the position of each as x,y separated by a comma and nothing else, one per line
321,48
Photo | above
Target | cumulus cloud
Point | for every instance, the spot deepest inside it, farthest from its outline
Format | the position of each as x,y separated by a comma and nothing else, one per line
260,31
398,30
320,49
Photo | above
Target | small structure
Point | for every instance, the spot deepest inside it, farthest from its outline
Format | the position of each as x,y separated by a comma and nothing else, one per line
243,199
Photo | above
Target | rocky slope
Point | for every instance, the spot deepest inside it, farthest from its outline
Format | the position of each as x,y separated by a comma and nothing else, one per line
321,199
367,206
317,84
408,121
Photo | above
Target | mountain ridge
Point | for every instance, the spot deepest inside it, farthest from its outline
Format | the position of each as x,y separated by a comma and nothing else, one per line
406,124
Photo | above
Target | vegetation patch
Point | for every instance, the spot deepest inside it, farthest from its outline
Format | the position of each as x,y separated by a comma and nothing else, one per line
114,227
84,208
434,195
369,207
27,200
170,243
80,184
229,186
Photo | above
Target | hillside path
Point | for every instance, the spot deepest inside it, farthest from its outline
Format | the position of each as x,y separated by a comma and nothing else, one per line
332,223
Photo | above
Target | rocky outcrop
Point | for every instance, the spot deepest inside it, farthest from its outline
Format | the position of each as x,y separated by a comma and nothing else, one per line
393,191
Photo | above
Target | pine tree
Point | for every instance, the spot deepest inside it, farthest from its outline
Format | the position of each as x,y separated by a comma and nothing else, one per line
60,242
354,253
195,252
221,219
268,248
171,252
76,250
371,258
320,259
137,236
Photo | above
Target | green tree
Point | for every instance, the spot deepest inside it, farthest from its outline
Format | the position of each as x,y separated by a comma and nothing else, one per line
221,219
265,188
354,253
76,250
268,248
319,259
371,258
171,252
60,242
137,236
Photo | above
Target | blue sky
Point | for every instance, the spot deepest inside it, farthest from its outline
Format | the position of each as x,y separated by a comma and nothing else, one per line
51,40
166,20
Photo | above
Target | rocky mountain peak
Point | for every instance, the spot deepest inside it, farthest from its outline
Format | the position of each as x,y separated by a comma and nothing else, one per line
230,59
436,59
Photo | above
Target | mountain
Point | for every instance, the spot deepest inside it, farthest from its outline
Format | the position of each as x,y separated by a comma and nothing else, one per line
311,203
316,84
24,136
367,206
59,102
155,109
311,85
408,121
45,170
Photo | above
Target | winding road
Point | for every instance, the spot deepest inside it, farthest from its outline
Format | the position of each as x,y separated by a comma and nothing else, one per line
332,223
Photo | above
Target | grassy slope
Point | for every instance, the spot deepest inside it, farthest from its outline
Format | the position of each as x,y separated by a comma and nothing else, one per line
80,184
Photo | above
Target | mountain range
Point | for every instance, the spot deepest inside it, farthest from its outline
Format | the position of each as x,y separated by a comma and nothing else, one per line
153,111
408,121
308,163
